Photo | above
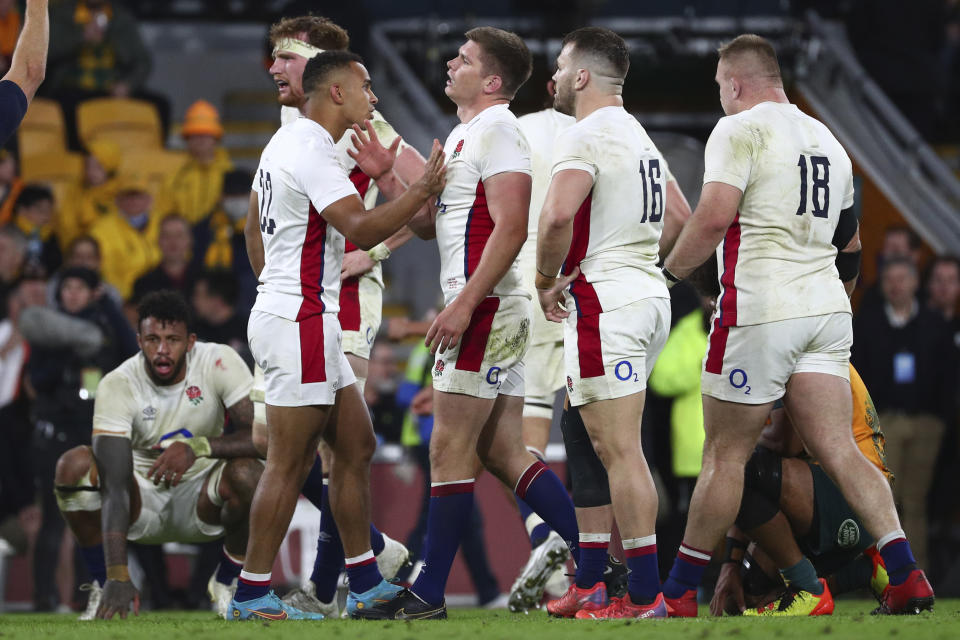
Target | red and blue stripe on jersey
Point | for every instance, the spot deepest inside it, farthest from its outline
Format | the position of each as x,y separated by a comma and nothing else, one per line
727,315
349,315
589,347
478,229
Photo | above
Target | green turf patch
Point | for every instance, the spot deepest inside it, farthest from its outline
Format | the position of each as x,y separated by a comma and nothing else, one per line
851,619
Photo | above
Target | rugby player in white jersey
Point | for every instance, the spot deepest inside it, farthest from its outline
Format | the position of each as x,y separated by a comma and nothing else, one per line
777,206
161,468
601,224
481,335
296,40
545,376
306,206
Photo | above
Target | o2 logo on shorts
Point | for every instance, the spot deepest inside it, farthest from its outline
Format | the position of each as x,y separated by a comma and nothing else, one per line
738,380
624,372
493,376
369,335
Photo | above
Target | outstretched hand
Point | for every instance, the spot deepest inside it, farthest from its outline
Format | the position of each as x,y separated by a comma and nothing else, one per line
369,153
435,170
117,597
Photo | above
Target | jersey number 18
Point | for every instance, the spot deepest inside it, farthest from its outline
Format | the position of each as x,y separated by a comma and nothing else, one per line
820,169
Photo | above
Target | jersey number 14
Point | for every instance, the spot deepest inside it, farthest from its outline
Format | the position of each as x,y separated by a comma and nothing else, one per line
267,224
819,185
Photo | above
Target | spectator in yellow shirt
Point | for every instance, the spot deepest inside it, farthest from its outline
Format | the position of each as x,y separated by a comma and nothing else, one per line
194,191
96,196
128,237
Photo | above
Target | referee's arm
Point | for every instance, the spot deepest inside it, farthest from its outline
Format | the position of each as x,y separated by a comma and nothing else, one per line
27,69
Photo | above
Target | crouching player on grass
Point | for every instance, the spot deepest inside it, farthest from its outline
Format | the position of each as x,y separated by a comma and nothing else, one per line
160,468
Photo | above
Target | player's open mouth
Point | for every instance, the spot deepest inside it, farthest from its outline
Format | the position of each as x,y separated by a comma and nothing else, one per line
162,367
281,85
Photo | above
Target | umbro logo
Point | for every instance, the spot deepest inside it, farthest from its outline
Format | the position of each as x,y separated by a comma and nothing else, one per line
149,412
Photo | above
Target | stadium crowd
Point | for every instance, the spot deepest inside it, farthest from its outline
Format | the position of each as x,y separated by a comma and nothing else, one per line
83,258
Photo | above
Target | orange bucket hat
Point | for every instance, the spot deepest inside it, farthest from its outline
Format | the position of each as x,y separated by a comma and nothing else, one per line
202,119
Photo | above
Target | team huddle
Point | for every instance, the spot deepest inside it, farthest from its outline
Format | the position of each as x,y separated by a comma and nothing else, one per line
573,207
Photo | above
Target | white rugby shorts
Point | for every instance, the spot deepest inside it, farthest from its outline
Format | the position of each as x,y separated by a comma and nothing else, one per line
488,360
303,363
361,308
543,366
752,364
170,515
611,354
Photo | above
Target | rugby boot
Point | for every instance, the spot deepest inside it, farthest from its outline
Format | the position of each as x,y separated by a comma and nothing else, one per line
620,608
910,597
383,592
405,605
527,589
577,599
683,607
797,603
269,608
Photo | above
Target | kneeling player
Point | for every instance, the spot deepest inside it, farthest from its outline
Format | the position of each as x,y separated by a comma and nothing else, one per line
802,526
161,468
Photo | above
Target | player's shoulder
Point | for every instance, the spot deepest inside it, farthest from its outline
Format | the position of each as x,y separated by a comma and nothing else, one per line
495,118
124,376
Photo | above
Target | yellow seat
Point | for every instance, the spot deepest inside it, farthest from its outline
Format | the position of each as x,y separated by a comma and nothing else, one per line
61,171
132,124
43,129
156,165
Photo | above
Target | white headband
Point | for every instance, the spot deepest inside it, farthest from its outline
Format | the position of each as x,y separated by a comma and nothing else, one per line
299,47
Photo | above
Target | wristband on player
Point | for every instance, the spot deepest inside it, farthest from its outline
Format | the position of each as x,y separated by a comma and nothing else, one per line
199,445
379,253
733,543
671,279
542,281
118,572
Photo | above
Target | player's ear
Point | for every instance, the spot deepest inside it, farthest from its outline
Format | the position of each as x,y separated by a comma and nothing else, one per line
736,87
336,93
493,84
583,77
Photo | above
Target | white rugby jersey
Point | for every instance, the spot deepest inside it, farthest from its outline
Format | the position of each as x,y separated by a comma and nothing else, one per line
130,405
300,175
541,130
491,143
777,260
616,231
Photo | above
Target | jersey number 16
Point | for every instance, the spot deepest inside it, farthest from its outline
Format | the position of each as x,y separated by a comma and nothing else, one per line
655,208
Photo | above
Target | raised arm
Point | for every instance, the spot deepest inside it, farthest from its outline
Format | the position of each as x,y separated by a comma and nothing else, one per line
114,459
28,67
508,200
366,229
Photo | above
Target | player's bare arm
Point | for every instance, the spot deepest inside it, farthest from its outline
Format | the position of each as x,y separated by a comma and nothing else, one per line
179,454
114,459
508,198
676,214
729,582
852,251
366,229
705,228
252,236
568,189
28,67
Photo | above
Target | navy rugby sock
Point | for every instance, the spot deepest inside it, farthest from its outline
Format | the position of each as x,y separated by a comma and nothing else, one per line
447,520
542,490
95,562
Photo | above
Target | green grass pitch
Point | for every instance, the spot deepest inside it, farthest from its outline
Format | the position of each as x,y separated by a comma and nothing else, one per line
852,619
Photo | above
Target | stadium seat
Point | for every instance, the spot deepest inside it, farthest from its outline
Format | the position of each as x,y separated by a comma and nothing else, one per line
43,129
130,123
157,165
61,171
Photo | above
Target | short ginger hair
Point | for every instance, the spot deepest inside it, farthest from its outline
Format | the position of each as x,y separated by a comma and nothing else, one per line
321,32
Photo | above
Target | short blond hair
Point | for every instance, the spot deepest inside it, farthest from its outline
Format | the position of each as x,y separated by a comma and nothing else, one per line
760,48
321,32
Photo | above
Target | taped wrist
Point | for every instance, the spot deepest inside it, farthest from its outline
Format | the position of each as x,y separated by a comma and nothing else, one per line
591,488
200,445
118,572
848,265
733,545
379,253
